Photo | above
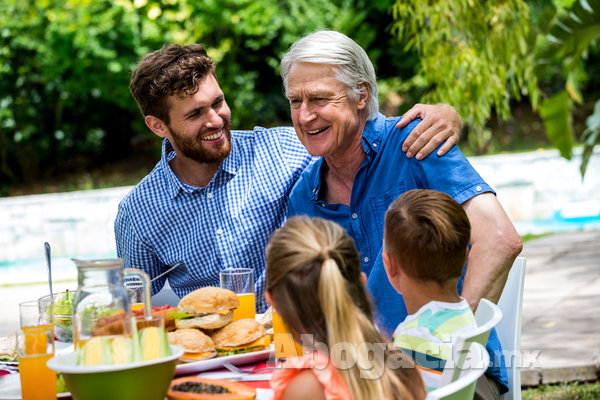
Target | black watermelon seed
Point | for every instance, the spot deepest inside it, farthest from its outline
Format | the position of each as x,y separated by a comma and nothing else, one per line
200,387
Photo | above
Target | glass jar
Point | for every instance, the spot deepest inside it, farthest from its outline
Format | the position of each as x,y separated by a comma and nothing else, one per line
102,305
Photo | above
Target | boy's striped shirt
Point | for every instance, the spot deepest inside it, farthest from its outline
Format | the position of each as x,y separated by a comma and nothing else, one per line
427,336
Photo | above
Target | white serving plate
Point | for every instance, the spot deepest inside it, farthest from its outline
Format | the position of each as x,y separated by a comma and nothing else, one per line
10,388
217,362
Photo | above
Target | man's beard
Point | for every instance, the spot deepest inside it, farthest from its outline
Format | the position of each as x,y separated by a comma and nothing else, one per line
192,147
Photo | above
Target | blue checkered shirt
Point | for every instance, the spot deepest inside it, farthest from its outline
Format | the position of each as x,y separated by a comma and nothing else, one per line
163,221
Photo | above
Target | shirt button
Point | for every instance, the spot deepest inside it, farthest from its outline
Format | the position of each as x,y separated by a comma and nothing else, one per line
355,215
478,188
366,259
323,205
210,196
374,144
219,231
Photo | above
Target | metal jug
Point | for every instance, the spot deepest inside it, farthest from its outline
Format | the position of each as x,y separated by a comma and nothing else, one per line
102,305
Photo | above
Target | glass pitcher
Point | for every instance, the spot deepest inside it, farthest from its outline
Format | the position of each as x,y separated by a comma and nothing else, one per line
102,305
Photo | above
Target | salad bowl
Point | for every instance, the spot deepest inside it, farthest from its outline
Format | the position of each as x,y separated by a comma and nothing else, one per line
61,313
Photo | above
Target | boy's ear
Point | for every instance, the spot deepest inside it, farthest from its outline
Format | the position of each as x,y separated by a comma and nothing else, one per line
391,267
392,270
157,126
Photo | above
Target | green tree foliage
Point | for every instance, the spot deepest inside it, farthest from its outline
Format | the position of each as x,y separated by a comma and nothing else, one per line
65,67
473,55
565,44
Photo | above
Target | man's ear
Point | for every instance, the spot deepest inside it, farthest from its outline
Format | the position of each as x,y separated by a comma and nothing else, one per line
157,126
363,97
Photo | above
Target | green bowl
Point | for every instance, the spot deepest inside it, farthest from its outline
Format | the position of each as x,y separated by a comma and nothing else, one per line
148,380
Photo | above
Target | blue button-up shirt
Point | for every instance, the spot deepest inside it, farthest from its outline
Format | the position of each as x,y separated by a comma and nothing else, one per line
384,175
228,223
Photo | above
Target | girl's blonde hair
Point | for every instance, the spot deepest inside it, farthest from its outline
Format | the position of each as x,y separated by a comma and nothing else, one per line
313,276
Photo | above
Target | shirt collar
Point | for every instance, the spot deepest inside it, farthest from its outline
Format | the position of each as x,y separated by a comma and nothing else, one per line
373,134
229,166
371,142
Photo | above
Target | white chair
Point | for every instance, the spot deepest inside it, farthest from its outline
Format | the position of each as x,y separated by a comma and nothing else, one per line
487,316
165,296
509,329
464,387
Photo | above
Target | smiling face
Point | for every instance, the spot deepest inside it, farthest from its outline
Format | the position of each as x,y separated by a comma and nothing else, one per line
326,120
200,125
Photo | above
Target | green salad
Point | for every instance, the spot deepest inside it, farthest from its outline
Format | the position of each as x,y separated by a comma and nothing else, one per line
63,305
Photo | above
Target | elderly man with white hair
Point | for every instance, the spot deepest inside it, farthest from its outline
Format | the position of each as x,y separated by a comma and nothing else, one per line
217,194
331,86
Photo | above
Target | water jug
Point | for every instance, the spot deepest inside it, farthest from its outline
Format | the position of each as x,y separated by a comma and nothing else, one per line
102,305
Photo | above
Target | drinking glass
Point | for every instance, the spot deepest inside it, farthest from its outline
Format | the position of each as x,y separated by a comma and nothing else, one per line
134,287
285,345
157,321
241,282
35,346
31,314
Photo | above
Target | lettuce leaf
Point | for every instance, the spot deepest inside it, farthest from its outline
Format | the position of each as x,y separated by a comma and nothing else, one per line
179,315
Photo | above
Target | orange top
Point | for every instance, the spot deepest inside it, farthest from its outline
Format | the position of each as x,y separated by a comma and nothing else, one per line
321,368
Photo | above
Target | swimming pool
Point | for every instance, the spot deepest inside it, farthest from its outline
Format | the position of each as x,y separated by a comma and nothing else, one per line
30,271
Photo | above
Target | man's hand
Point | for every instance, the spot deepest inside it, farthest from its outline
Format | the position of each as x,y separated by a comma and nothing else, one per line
440,123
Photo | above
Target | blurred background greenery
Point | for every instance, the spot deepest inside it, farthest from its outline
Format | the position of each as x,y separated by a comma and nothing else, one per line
523,74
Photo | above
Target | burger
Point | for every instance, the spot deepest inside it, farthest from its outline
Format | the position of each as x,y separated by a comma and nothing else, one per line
206,308
196,345
242,336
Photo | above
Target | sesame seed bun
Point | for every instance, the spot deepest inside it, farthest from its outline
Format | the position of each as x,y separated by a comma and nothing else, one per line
208,300
238,333
192,340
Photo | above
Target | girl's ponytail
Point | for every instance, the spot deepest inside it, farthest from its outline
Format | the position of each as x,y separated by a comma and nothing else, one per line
313,275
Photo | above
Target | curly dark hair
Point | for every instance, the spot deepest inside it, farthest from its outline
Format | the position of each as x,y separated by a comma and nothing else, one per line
173,70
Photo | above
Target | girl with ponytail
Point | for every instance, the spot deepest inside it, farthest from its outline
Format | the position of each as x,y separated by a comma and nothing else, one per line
314,283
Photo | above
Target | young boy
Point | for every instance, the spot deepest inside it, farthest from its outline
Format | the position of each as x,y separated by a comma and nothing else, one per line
425,246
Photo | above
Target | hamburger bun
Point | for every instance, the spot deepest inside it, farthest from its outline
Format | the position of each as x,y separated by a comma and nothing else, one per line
238,333
208,300
192,340
210,308
211,321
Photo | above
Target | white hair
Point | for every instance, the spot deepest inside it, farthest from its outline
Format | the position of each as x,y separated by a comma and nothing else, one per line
351,61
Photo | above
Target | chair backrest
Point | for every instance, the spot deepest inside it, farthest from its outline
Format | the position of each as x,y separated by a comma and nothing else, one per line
464,387
487,316
165,296
509,329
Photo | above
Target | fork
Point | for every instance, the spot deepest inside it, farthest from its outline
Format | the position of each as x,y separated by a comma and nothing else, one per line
237,370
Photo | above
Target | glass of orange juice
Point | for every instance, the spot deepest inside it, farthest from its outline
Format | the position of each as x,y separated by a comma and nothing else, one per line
35,346
241,282
285,345
30,315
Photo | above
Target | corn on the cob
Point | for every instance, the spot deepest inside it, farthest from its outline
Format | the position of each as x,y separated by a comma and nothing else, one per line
122,351
154,343
96,351
150,343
